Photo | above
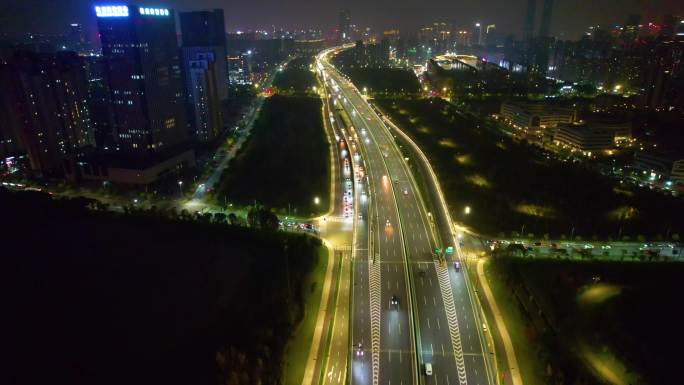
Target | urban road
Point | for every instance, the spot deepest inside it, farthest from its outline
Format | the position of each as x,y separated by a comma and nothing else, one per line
434,320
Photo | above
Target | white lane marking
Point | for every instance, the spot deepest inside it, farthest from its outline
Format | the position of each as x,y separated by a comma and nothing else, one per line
374,290
452,320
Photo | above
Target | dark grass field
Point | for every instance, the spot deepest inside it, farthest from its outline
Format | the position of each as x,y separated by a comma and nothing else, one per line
514,187
602,320
286,161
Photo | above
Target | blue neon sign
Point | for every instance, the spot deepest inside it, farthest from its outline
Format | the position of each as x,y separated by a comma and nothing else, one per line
153,11
111,11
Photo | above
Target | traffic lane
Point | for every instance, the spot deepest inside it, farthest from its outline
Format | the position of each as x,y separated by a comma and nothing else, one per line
361,332
443,372
412,208
382,140
395,338
469,325
470,335
430,305
361,361
470,331
365,111
395,367
435,342
434,326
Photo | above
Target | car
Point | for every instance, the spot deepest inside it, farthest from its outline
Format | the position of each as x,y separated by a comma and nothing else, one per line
359,349
396,181
394,301
405,191
387,223
484,327
428,369
457,266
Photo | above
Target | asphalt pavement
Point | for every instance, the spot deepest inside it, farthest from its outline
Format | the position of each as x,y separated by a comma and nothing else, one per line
433,300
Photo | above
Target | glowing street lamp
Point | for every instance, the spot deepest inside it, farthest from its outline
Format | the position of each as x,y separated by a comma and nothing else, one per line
180,186
317,200
467,210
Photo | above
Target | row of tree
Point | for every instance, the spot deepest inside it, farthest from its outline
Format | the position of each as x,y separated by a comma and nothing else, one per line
147,295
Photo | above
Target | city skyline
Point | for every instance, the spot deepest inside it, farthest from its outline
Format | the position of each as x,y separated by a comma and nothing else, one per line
569,20
265,193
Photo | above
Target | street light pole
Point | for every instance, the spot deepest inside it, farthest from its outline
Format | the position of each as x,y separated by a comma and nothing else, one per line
180,187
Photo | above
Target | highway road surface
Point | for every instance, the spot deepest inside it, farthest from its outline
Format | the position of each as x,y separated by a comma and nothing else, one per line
433,315
382,328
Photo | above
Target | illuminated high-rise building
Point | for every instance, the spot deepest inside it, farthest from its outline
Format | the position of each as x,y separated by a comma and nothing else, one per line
547,12
344,26
206,30
44,104
528,34
76,39
205,67
143,70
530,15
478,38
543,42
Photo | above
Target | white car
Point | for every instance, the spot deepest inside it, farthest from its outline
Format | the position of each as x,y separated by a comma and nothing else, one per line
428,369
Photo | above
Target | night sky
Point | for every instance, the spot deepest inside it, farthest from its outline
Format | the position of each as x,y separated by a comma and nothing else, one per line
570,18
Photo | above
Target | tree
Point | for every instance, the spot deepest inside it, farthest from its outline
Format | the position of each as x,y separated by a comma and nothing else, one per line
268,220
232,218
220,218
253,217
